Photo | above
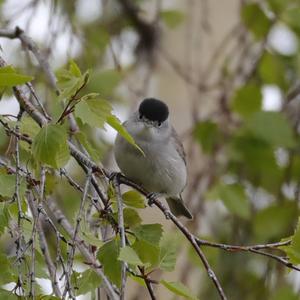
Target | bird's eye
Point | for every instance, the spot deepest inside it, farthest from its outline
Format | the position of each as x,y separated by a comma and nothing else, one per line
140,117
159,124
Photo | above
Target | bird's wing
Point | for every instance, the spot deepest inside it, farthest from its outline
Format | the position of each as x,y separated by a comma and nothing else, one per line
178,145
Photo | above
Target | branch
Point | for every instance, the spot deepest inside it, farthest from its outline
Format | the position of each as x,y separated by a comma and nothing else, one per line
62,220
190,237
68,287
44,248
121,232
254,249
18,33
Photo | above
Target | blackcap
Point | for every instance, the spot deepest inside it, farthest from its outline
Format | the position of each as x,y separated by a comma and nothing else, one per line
162,168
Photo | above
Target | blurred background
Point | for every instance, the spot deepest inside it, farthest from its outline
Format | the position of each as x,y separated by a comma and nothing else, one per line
229,71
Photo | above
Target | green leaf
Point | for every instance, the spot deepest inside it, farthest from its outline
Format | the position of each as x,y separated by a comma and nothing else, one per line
272,70
108,256
93,152
6,275
208,134
150,233
8,183
29,127
87,282
9,77
291,17
293,250
178,289
272,127
74,69
256,20
148,253
275,221
168,253
278,6
172,18
260,159
128,255
233,197
247,100
50,146
4,216
131,217
115,123
93,110
285,293
8,295
134,199
91,239
71,81
104,82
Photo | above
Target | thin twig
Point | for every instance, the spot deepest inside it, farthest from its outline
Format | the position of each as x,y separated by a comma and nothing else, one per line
68,287
31,45
35,216
19,241
121,232
62,220
42,239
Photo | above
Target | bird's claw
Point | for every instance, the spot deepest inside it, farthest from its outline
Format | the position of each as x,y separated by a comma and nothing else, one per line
167,214
151,198
114,175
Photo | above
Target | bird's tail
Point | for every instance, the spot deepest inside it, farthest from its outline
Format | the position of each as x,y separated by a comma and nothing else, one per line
178,208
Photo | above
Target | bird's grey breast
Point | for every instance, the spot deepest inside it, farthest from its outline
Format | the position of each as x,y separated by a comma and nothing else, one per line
162,169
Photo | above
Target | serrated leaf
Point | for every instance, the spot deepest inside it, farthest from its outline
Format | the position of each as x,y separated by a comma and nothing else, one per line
178,289
9,77
93,111
133,199
150,233
128,255
168,253
172,18
50,146
115,123
87,281
256,20
272,127
247,100
8,183
234,198
70,81
148,253
108,256
131,217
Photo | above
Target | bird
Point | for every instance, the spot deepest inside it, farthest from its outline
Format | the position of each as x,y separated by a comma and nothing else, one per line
161,169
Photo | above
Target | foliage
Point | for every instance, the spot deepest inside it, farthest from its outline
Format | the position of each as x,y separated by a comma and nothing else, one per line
243,158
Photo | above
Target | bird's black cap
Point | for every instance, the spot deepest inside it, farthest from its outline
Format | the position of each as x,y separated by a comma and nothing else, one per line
154,110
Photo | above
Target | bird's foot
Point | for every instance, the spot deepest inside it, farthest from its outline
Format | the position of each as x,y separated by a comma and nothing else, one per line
151,198
114,175
167,214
